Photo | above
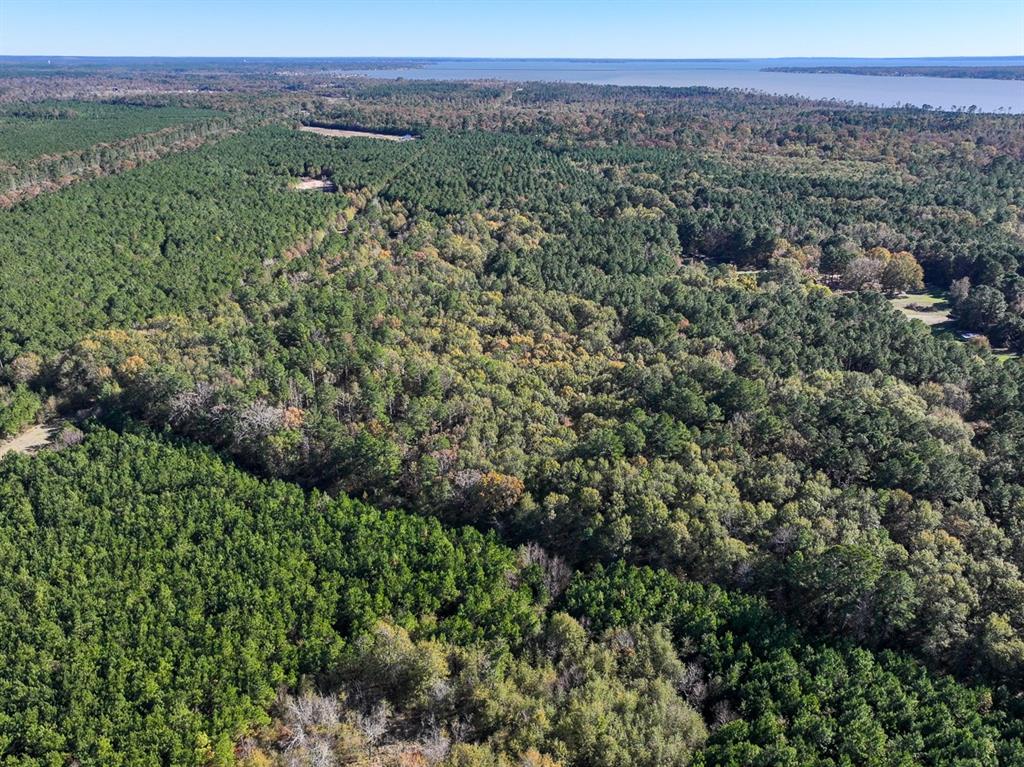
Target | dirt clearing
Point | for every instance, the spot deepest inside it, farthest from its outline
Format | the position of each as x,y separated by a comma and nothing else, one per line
319,184
32,439
341,133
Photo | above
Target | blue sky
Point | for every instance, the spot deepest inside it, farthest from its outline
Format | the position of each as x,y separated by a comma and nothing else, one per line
527,28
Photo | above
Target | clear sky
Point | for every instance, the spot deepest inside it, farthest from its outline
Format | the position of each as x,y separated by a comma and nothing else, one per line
511,28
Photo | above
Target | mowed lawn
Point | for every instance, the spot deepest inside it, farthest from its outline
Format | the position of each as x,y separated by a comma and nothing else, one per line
933,309
930,307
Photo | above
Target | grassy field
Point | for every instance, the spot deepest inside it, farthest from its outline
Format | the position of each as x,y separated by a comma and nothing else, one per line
930,307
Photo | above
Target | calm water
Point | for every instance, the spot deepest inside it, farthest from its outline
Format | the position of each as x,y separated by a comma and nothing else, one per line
941,92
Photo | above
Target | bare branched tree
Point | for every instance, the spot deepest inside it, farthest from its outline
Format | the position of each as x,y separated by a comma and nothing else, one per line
556,572
374,725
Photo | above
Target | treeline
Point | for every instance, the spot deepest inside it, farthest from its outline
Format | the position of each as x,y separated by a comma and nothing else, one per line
699,119
1007,72
158,603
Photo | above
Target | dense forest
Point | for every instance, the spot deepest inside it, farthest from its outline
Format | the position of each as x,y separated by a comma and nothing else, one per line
34,129
158,602
579,430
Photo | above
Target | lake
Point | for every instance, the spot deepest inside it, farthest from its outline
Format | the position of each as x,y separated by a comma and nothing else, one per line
745,74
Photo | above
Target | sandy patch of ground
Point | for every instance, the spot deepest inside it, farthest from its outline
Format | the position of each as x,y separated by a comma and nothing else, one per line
319,184
339,133
32,439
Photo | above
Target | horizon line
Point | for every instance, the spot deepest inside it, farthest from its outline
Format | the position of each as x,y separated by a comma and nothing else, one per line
413,57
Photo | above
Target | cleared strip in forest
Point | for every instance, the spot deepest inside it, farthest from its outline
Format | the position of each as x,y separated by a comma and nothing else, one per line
344,133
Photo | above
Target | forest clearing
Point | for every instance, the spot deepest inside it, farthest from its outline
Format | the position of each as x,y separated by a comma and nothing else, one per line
31,440
345,133
306,184
930,307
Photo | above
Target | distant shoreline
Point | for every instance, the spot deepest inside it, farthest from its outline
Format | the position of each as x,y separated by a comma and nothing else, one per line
981,73
816,79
